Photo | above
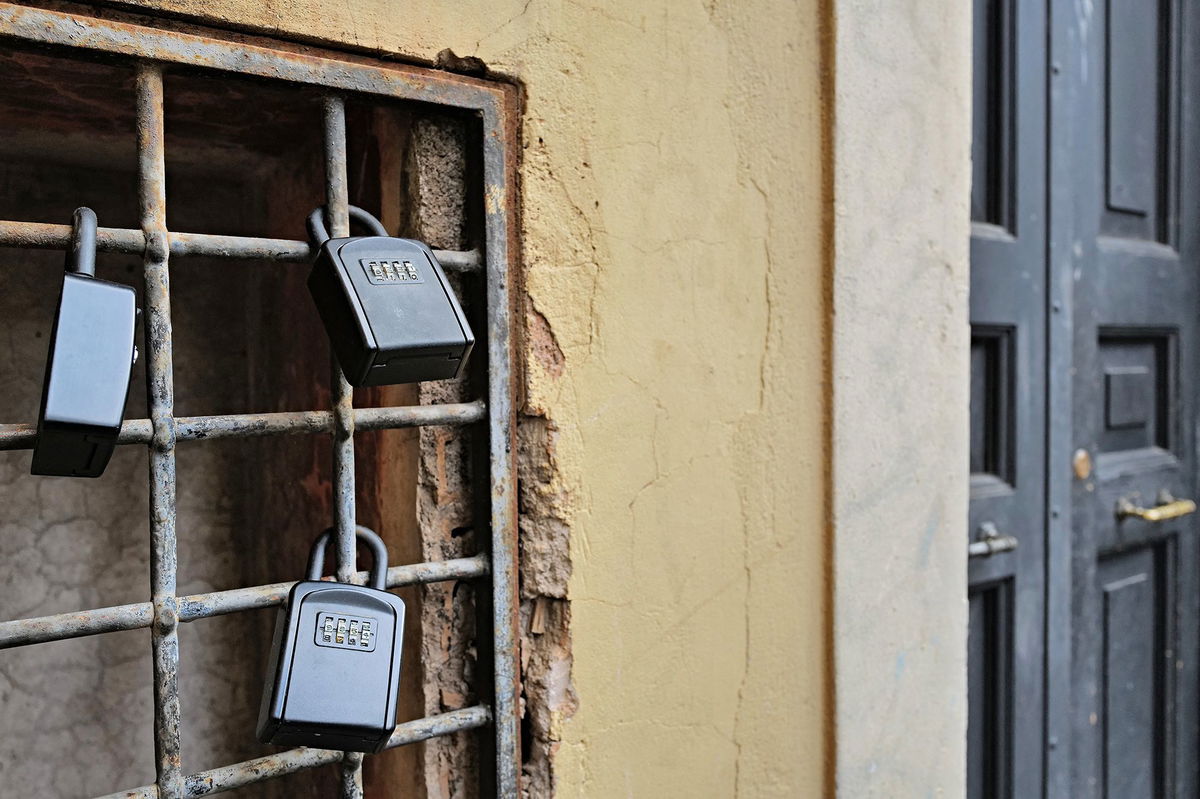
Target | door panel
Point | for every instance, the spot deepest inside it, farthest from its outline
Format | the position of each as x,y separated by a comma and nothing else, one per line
989,650
1135,352
1134,145
1008,373
1133,620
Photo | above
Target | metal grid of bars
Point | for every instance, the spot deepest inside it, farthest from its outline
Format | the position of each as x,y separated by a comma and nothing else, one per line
150,51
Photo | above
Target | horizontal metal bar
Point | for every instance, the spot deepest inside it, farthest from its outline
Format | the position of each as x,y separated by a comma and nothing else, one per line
43,236
40,236
240,775
251,425
218,603
459,260
237,54
23,632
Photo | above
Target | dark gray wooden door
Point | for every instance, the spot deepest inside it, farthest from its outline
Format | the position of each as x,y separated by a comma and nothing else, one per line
1085,249
1006,654
1129,219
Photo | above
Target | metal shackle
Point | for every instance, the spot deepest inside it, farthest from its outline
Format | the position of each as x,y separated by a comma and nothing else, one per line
318,234
316,555
81,257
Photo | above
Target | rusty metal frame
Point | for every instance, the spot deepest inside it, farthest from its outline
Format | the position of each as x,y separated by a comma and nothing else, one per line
151,51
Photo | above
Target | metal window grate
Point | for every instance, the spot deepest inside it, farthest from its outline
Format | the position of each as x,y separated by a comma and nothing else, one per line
151,51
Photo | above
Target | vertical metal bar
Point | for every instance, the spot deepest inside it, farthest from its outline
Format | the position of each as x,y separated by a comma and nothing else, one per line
352,787
501,443
161,396
337,202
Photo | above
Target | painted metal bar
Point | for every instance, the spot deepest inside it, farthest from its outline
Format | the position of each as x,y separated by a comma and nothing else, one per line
459,260
337,205
42,629
243,56
227,778
352,787
43,236
60,626
337,211
152,190
218,603
253,425
498,134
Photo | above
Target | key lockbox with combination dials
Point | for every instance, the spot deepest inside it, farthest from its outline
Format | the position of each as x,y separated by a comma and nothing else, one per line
387,306
334,673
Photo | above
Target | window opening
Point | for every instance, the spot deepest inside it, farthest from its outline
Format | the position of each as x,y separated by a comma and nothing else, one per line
152,66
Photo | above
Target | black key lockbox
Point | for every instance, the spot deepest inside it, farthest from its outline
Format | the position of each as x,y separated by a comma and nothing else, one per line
390,313
334,673
88,366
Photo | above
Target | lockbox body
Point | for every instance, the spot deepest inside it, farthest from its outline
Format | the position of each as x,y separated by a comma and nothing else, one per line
389,311
328,684
87,377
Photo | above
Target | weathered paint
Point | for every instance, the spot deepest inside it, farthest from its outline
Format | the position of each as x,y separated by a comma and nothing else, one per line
160,380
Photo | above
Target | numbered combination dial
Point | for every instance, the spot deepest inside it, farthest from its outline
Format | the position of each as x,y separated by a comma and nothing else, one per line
346,632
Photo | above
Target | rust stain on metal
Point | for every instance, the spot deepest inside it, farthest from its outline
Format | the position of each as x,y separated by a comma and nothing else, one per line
493,199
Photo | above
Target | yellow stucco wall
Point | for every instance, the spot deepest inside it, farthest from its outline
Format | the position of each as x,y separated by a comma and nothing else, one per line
674,197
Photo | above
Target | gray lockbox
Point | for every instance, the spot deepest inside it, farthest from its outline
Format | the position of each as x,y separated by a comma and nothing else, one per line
88,366
387,307
334,674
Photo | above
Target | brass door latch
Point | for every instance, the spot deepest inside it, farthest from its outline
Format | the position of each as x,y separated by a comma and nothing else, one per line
1167,508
